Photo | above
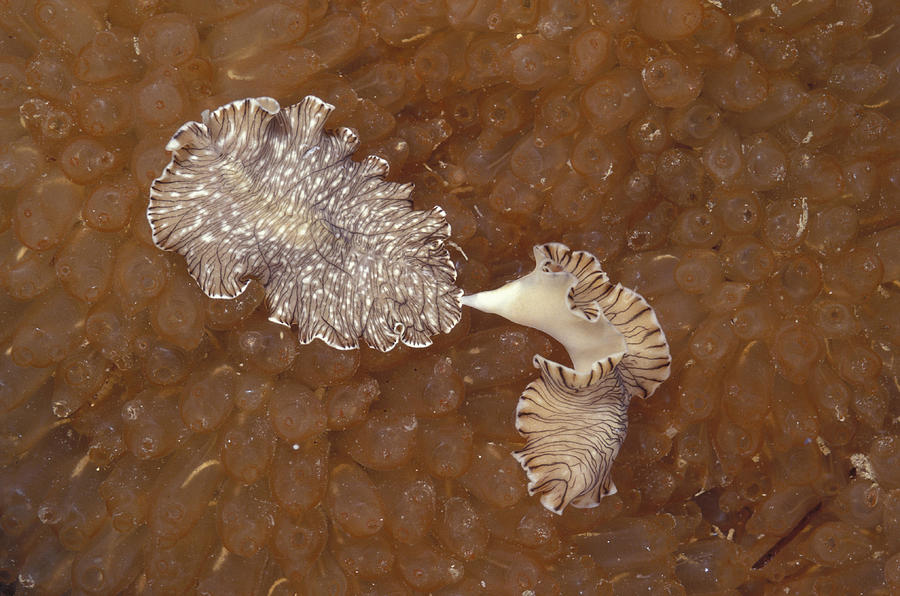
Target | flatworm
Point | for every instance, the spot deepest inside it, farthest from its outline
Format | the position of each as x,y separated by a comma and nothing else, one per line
257,192
574,419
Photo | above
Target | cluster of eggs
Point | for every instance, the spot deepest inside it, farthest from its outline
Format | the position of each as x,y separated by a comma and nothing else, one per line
735,162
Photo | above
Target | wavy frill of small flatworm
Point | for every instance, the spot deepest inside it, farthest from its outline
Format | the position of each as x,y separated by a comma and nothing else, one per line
646,361
257,192
574,421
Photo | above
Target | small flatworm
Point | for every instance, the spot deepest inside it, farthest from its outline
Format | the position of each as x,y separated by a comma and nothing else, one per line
574,419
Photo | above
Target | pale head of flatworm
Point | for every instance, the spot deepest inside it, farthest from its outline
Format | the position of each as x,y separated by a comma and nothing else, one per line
574,419
257,192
